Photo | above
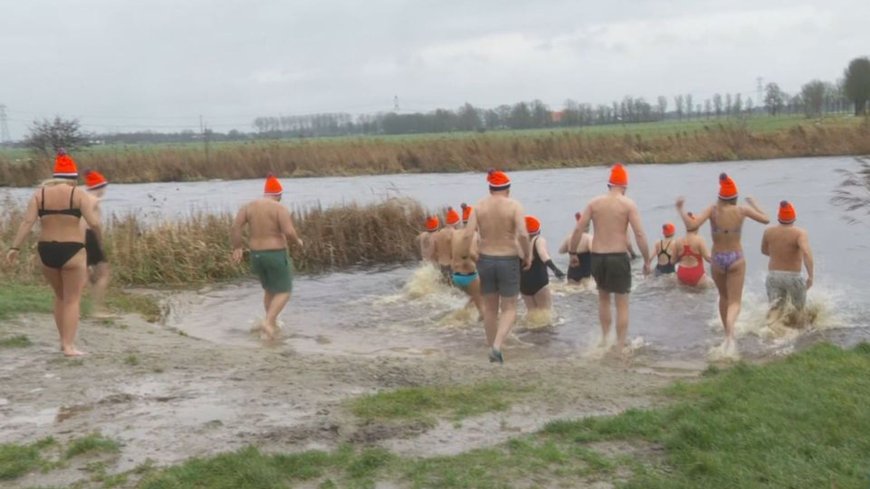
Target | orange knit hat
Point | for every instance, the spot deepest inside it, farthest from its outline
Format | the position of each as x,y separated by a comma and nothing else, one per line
466,212
787,214
533,225
452,216
95,180
618,176
498,180
727,187
432,224
669,229
64,166
273,186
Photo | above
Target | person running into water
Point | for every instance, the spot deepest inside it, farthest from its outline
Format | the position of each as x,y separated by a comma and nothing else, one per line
98,266
464,246
443,248
691,254
582,272
611,214
270,226
426,240
788,247
534,282
59,206
666,251
728,263
504,244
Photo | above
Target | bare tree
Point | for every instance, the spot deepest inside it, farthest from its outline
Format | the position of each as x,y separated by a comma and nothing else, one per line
813,96
48,136
678,101
662,106
717,102
774,99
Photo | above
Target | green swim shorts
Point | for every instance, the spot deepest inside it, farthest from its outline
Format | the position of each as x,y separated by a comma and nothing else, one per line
274,269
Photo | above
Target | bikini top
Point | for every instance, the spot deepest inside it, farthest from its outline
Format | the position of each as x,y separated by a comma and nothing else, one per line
42,212
664,250
717,230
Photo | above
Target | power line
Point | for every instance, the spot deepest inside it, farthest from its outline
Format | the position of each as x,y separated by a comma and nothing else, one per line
5,137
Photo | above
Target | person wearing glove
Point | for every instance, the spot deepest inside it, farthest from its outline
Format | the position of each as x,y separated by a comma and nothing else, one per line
534,282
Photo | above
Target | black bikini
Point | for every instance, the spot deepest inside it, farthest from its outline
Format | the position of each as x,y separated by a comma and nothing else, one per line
667,267
55,254
536,277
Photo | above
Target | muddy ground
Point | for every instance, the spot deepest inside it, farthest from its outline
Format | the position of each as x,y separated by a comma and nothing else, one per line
167,396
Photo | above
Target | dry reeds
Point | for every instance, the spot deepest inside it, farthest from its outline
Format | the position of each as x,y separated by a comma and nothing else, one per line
715,142
196,250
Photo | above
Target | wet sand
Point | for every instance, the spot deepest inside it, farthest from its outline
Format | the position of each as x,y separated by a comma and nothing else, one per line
167,396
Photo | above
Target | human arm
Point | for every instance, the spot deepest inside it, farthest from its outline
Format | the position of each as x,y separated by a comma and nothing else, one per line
577,235
522,236
474,249
30,216
705,252
236,233
541,245
754,212
765,244
563,249
804,245
286,222
695,221
91,214
640,237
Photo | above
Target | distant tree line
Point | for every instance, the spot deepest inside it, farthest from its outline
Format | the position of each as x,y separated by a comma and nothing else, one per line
816,98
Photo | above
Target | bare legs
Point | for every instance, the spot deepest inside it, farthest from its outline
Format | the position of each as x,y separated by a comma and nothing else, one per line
499,315
99,278
490,317
506,320
273,303
730,285
605,316
542,299
473,291
67,284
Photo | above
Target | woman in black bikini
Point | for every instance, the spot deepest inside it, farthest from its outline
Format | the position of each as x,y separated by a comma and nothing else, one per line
534,282
59,208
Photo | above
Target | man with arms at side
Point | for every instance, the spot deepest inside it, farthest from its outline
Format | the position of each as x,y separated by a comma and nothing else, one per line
788,247
443,249
611,214
270,227
500,222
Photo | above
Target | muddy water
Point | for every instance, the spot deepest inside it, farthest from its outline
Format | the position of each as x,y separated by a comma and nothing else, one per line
396,312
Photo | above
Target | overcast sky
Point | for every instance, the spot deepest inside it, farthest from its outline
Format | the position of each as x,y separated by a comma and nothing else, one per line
158,64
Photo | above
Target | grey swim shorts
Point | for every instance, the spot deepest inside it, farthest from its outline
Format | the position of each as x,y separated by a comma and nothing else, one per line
499,275
789,286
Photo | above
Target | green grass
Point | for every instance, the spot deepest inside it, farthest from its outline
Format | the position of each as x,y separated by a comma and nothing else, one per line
145,305
18,299
17,460
93,443
427,402
17,341
131,360
802,422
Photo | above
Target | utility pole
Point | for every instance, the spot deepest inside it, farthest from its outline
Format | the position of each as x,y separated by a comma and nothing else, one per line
396,104
759,92
204,133
5,137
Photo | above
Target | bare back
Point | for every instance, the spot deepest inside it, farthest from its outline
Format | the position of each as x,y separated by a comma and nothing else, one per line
62,228
269,224
610,215
783,247
500,222
443,251
464,251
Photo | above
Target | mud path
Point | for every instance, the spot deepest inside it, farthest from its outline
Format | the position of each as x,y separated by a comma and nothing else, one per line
167,397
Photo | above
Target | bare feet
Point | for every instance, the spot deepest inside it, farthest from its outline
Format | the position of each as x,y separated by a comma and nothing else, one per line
103,314
267,332
73,352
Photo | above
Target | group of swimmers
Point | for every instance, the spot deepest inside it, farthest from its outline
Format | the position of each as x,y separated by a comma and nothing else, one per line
495,255
498,253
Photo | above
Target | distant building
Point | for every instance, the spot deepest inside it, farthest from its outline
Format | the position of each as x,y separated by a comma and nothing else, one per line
556,117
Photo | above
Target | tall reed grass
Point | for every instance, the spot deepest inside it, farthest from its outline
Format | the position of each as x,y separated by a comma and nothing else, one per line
356,156
196,250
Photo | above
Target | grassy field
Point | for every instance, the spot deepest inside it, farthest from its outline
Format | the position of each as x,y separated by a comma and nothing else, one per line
658,142
798,423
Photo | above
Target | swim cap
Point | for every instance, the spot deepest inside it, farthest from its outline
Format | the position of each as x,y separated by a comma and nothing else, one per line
787,214
727,187
452,216
273,186
618,176
95,180
533,225
498,180
64,166
466,212
668,229
432,223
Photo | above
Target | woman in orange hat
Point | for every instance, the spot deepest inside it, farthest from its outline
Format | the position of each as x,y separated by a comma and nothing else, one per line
691,254
534,282
96,184
61,247
665,251
728,267
582,272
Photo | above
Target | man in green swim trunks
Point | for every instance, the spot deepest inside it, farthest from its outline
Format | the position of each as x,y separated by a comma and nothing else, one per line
611,215
270,227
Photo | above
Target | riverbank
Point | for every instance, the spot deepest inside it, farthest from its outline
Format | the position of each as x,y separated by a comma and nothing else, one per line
152,408
698,141
195,250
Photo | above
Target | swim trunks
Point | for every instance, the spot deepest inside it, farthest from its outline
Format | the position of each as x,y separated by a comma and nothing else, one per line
786,285
93,249
665,269
274,269
499,275
612,272
463,280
